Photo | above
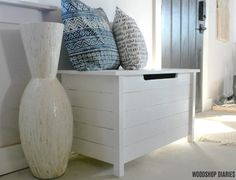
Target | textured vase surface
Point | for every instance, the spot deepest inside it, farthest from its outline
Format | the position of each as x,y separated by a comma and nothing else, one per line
45,119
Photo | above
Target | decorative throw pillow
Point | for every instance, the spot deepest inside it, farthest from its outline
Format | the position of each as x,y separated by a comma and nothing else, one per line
88,37
130,42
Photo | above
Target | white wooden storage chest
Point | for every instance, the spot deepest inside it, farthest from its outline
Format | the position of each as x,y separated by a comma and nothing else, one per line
122,115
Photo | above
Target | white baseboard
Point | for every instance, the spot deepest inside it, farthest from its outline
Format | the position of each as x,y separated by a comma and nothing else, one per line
207,106
12,159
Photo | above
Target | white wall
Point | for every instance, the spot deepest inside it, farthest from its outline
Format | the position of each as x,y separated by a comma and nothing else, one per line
14,75
217,55
14,71
233,30
233,20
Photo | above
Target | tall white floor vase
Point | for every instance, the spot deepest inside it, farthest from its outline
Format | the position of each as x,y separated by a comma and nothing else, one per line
45,119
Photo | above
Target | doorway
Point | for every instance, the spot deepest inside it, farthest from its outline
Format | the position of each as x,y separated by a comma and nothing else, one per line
183,26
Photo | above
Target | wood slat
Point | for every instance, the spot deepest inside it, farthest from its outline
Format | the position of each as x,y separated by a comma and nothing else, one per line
140,116
192,33
88,83
149,98
94,117
176,34
151,128
185,62
94,134
91,100
93,150
179,120
166,33
148,145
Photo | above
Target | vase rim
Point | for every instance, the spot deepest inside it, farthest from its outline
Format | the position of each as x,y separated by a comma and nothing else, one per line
44,22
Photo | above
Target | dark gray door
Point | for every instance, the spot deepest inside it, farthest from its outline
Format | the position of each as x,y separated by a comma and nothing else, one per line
183,25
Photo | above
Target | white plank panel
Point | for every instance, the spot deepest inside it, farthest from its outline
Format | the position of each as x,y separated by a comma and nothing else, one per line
94,117
91,100
150,144
94,134
176,134
29,4
141,132
149,98
88,83
12,158
151,128
93,150
139,116
144,147
137,83
176,121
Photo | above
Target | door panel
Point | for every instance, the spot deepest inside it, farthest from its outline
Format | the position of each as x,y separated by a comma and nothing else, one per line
182,39
185,34
176,33
166,32
192,34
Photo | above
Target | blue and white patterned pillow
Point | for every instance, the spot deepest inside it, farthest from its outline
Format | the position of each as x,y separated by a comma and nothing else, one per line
88,37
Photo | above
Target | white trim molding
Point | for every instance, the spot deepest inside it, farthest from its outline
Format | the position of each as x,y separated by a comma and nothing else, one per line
156,34
12,159
29,4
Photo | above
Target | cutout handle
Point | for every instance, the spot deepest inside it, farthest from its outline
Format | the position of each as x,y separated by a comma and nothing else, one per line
148,77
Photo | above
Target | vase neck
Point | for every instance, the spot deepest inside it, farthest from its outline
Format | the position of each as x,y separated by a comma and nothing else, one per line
42,42
43,68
